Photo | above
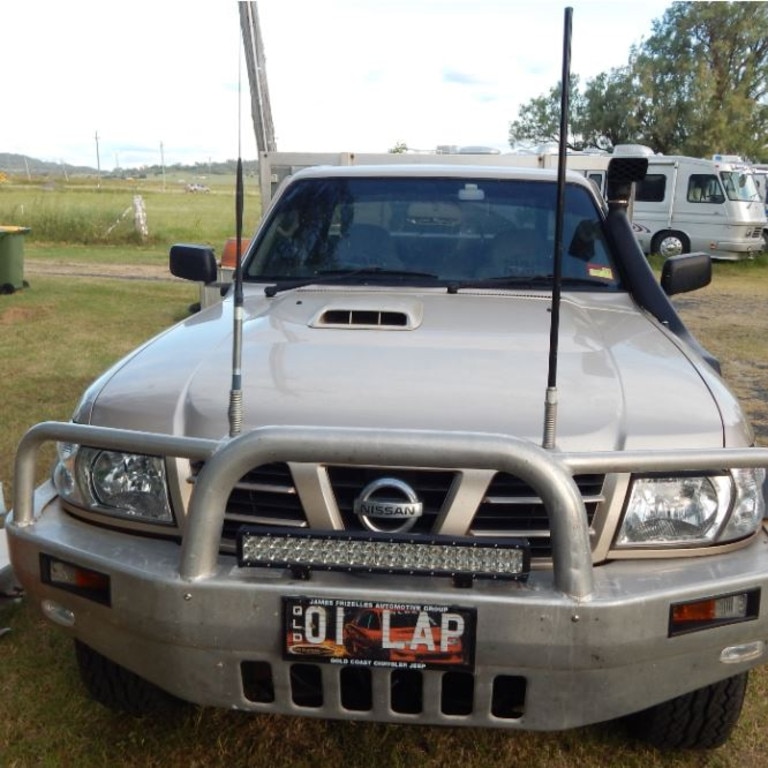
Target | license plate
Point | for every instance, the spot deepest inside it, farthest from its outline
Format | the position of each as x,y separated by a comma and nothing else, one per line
362,633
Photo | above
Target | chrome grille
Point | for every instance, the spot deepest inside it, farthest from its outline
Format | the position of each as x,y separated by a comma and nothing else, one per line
264,496
510,508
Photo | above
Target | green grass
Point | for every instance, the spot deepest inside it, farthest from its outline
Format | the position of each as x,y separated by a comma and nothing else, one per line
60,333
75,213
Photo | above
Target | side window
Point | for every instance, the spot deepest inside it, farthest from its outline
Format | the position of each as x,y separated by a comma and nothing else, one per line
598,179
704,188
651,189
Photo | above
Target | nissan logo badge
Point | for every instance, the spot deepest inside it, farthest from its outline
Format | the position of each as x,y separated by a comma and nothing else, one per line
388,499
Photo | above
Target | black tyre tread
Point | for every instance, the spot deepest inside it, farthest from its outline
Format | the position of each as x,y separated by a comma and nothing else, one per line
702,719
116,687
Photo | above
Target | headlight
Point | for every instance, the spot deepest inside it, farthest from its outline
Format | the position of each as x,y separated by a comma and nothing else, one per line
125,485
694,510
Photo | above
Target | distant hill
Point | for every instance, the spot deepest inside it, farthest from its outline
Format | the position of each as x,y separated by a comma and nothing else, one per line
22,164
11,163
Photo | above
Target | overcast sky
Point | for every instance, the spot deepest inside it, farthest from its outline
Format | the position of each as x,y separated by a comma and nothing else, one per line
344,75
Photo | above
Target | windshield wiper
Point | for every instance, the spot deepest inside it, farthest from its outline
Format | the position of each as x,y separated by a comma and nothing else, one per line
341,276
523,281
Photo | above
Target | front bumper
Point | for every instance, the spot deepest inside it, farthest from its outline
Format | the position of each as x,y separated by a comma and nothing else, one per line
574,646
733,250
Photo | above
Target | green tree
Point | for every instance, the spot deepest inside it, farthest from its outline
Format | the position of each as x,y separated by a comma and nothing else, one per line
539,120
698,85
607,118
703,78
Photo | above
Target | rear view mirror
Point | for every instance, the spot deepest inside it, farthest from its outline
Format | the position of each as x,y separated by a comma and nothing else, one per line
193,262
686,272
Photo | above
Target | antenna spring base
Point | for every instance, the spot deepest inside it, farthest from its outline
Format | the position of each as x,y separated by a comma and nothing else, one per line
550,418
235,412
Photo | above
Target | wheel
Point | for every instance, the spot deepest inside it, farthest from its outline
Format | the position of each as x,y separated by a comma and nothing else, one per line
7,288
118,688
670,243
702,719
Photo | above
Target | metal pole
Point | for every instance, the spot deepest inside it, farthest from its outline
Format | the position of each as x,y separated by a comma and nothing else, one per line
98,163
261,110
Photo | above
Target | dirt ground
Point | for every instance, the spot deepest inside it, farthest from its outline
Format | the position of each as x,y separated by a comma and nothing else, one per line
732,323
34,267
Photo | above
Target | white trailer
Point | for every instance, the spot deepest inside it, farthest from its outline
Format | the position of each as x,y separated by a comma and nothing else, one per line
689,204
275,167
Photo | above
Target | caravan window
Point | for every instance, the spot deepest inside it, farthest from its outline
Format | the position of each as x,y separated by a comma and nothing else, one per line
651,189
704,188
740,186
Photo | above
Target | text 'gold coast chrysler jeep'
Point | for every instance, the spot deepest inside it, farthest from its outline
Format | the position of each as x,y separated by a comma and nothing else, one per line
384,535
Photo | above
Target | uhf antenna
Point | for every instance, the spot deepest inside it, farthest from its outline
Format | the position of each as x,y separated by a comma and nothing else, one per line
236,392
550,404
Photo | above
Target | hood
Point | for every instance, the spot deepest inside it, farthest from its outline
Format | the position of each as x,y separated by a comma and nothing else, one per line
471,361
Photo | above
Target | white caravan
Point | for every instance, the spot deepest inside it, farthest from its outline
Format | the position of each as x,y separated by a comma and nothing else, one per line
688,204
275,167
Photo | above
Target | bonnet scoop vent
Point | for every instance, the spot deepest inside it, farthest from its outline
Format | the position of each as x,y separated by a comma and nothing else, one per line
364,317
371,317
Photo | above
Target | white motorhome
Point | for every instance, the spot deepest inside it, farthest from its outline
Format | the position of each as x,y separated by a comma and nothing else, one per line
688,204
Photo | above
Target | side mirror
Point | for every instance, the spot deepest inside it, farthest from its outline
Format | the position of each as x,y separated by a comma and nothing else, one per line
193,262
686,272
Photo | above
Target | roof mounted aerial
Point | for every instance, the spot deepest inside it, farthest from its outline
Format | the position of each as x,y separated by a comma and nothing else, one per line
550,404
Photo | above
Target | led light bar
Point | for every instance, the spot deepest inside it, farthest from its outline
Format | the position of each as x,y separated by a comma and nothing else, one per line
459,557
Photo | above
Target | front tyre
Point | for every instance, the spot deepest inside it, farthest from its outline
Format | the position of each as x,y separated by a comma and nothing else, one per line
116,687
670,243
702,719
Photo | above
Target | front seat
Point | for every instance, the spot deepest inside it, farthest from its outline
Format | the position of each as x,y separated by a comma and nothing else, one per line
515,252
366,245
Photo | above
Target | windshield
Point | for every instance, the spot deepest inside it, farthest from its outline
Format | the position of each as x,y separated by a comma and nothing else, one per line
424,230
739,186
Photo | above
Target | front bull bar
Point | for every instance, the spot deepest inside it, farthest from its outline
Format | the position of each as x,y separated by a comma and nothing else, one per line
550,474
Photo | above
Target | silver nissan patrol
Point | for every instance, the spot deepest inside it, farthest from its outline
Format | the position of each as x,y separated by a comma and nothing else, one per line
480,474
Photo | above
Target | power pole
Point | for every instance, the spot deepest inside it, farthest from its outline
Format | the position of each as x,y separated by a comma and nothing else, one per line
98,163
256,64
162,163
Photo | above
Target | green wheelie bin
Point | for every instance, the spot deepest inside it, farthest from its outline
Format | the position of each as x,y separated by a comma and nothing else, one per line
12,258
